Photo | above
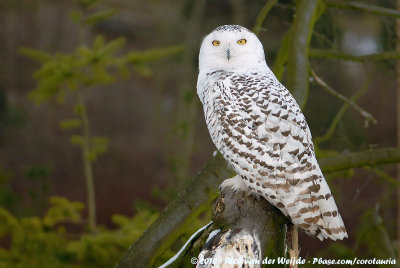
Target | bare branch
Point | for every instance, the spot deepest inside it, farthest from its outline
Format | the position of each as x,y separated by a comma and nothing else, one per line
377,10
363,112
341,112
370,157
301,31
334,54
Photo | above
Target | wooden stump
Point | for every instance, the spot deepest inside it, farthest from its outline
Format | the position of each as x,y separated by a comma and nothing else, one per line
251,229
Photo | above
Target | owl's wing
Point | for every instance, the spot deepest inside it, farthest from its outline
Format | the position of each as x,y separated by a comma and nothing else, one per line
260,129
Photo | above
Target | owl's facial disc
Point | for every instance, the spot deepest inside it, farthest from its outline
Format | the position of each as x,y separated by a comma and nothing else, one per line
231,48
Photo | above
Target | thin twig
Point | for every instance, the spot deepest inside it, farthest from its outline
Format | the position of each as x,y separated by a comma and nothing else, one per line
343,98
262,15
323,38
385,176
360,189
329,133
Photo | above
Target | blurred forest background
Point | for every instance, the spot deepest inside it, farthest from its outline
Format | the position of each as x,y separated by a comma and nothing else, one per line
100,125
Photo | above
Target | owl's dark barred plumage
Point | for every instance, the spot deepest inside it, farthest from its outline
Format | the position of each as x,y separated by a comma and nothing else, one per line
259,128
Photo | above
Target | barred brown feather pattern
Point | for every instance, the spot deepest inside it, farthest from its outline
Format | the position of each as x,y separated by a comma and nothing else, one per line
258,127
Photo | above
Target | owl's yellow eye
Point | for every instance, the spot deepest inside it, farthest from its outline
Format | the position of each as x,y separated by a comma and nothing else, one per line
216,43
242,41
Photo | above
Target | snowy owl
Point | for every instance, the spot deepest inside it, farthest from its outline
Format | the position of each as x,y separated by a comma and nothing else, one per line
260,130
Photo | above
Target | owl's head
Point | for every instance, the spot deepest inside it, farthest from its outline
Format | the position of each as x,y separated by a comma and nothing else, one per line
231,48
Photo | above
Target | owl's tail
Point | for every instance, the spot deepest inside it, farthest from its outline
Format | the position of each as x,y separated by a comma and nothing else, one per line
314,210
330,223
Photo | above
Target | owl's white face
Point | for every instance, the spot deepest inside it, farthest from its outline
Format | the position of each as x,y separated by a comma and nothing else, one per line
231,48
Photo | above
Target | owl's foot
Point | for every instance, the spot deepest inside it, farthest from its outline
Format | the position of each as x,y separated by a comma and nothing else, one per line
236,183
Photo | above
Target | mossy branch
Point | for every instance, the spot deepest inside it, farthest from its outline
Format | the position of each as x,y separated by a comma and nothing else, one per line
262,15
282,57
377,10
199,195
334,54
297,65
370,157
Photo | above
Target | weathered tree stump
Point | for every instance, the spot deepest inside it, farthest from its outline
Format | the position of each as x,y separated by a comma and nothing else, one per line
251,230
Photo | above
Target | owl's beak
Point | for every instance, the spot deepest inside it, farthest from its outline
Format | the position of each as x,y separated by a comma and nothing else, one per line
228,54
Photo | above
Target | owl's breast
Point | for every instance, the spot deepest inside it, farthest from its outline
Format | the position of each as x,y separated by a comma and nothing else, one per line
214,108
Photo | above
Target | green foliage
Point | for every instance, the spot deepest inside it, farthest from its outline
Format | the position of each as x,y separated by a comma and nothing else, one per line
105,249
88,15
71,124
88,67
35,54
85,67
32,243
153,54
98,146
77,140
62,209
35,190
100,16
46,242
